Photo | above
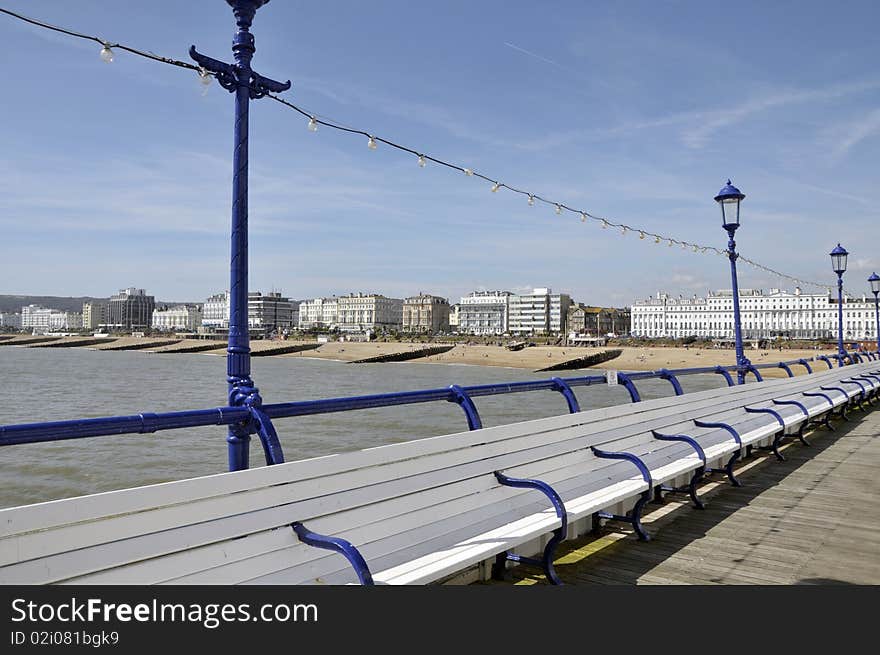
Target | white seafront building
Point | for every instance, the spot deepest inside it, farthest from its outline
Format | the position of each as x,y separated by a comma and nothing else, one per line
319,313
10,320
215,312
360,312
763,315
266,312
40,319
180,318
484,312
538,312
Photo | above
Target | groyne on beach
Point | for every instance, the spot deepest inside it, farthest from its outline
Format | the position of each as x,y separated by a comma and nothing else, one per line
405,355
587,361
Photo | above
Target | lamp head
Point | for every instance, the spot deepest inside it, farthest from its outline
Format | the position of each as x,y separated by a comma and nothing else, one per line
729,198
838,259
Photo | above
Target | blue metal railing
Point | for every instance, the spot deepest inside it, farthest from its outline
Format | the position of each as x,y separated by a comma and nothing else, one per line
258,419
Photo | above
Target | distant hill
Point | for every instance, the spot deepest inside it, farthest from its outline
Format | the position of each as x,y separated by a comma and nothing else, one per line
13,304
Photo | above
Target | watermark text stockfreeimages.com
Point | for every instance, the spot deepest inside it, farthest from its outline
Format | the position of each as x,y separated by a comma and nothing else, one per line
209,615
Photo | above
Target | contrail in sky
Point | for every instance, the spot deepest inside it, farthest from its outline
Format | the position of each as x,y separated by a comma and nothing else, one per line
531,54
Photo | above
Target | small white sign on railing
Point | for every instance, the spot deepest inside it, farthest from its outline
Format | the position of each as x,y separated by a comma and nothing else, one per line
611,377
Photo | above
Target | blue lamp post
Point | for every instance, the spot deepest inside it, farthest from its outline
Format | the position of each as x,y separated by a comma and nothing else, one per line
838,265
875,289
729,198
240,79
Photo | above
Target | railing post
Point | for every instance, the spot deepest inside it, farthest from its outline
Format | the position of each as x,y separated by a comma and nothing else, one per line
676,386
786,368
720,370
240,79
623,379
461,398
562,387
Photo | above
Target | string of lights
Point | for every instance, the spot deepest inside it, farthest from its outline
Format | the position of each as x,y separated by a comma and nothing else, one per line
314,121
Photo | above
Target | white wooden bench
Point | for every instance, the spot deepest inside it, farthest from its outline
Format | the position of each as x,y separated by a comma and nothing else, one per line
415,512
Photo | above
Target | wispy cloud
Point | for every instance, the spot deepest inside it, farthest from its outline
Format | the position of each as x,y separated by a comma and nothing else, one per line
688,281
852,134
864,264
696,128
708,123
431,115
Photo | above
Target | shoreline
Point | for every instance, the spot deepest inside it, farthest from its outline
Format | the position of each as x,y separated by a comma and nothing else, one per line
632,358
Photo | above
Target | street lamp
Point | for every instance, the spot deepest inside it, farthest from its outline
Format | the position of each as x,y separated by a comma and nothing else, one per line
875,289
729,198
838,265
239,78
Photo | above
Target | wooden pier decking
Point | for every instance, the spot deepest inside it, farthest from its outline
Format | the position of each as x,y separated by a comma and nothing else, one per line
813,519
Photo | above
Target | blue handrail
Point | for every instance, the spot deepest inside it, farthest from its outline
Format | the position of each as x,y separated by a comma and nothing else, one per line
258,419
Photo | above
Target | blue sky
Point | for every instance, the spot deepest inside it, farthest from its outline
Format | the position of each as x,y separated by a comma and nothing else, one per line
119,175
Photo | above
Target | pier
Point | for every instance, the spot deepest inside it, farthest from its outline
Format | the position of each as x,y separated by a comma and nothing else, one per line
813,519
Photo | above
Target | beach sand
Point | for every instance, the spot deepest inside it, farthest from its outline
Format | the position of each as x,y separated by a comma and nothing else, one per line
631,359
536,357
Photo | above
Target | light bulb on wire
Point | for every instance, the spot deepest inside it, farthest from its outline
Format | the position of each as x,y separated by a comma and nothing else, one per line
204,81
604,224
623,230
531,200
558,209
422,161
313,124
641,236
371,144
583,217
468,172
495,187
657,239
106,53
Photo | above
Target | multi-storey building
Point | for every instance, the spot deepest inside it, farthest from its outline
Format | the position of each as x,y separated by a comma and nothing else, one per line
598,321
180,318
130,309
454,317
65,321
215,312
94,314
272,312
539,312
42,319
484,312
35,316
425,313
319,313
359,312
762,316
8,320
